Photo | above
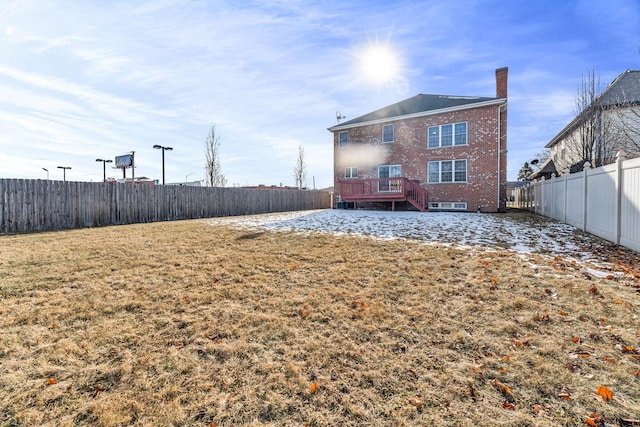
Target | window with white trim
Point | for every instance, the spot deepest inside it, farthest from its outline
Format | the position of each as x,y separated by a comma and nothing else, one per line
447,171
389,171
343,138
447,135
351,173
448,205
387,133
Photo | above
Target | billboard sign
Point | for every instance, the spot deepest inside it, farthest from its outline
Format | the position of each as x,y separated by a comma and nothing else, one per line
125,161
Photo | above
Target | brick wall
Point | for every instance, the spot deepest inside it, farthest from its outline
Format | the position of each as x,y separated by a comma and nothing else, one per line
366,152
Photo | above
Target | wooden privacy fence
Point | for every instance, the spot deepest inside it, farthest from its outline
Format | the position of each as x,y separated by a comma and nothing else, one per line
604,201
37,205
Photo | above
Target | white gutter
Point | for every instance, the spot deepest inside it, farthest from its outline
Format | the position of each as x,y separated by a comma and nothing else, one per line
420,114
499,151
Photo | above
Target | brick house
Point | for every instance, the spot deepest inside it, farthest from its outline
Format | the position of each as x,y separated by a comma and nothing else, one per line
434,152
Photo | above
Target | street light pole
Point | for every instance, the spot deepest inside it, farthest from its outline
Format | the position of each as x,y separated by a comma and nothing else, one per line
104,168
186,178
64,171
160,147
47,171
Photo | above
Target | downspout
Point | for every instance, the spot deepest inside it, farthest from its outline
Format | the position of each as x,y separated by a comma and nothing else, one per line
499,151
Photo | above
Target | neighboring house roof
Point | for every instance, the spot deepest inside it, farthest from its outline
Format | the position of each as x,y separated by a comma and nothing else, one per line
546,169
417,106
512,185
624,89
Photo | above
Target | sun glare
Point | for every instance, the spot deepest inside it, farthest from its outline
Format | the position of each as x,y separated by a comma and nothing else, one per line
379,64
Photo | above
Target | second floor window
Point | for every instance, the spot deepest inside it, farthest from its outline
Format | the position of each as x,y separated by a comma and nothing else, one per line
387,133
343,138
351,173
447,135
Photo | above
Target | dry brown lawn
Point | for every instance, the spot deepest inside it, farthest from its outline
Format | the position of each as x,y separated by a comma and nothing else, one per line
188,324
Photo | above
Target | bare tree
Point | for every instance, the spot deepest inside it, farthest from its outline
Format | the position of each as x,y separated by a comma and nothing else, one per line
542,156
628,125
300,171
213,170
593,139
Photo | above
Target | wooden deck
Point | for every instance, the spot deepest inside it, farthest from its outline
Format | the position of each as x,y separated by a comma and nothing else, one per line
392,190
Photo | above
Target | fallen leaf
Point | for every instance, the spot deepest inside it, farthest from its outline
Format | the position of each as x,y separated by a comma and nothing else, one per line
519,344
52,381
537,409
417,402
575,339
562,313
593,290
564,396
303,314
636,373
503,387
628,349
505,358
99,389
611,277
508,405
617,301
590,421
609,359
502,371
605,392
314,387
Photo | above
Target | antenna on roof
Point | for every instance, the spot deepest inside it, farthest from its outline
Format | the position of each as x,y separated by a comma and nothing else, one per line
339,116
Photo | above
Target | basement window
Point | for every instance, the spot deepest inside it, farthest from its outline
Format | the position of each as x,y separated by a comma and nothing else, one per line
462,206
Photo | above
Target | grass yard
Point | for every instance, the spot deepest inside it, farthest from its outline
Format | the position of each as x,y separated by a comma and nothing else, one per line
189,324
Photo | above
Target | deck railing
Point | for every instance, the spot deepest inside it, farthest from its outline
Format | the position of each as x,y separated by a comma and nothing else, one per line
384,190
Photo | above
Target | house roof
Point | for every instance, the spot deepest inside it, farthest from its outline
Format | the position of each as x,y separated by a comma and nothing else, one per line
546,169
417,105
623,89
511,185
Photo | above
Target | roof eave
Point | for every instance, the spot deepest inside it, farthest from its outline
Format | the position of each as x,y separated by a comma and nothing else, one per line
497,101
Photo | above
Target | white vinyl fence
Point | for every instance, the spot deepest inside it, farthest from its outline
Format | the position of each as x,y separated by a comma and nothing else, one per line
604,201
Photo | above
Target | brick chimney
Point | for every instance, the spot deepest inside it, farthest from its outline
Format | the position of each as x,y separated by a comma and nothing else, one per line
501,82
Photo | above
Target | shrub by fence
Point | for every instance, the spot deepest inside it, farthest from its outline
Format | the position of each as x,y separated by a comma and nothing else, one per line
37,205
604,201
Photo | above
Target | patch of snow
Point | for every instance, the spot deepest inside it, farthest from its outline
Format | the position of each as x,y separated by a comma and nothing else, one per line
520,233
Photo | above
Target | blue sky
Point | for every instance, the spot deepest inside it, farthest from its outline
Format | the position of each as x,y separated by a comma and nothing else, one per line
81,80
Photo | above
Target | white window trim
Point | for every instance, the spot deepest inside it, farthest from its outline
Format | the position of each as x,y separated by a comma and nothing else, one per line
453,172
394,186
393,134
461,206
340,144
350,170
453,135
